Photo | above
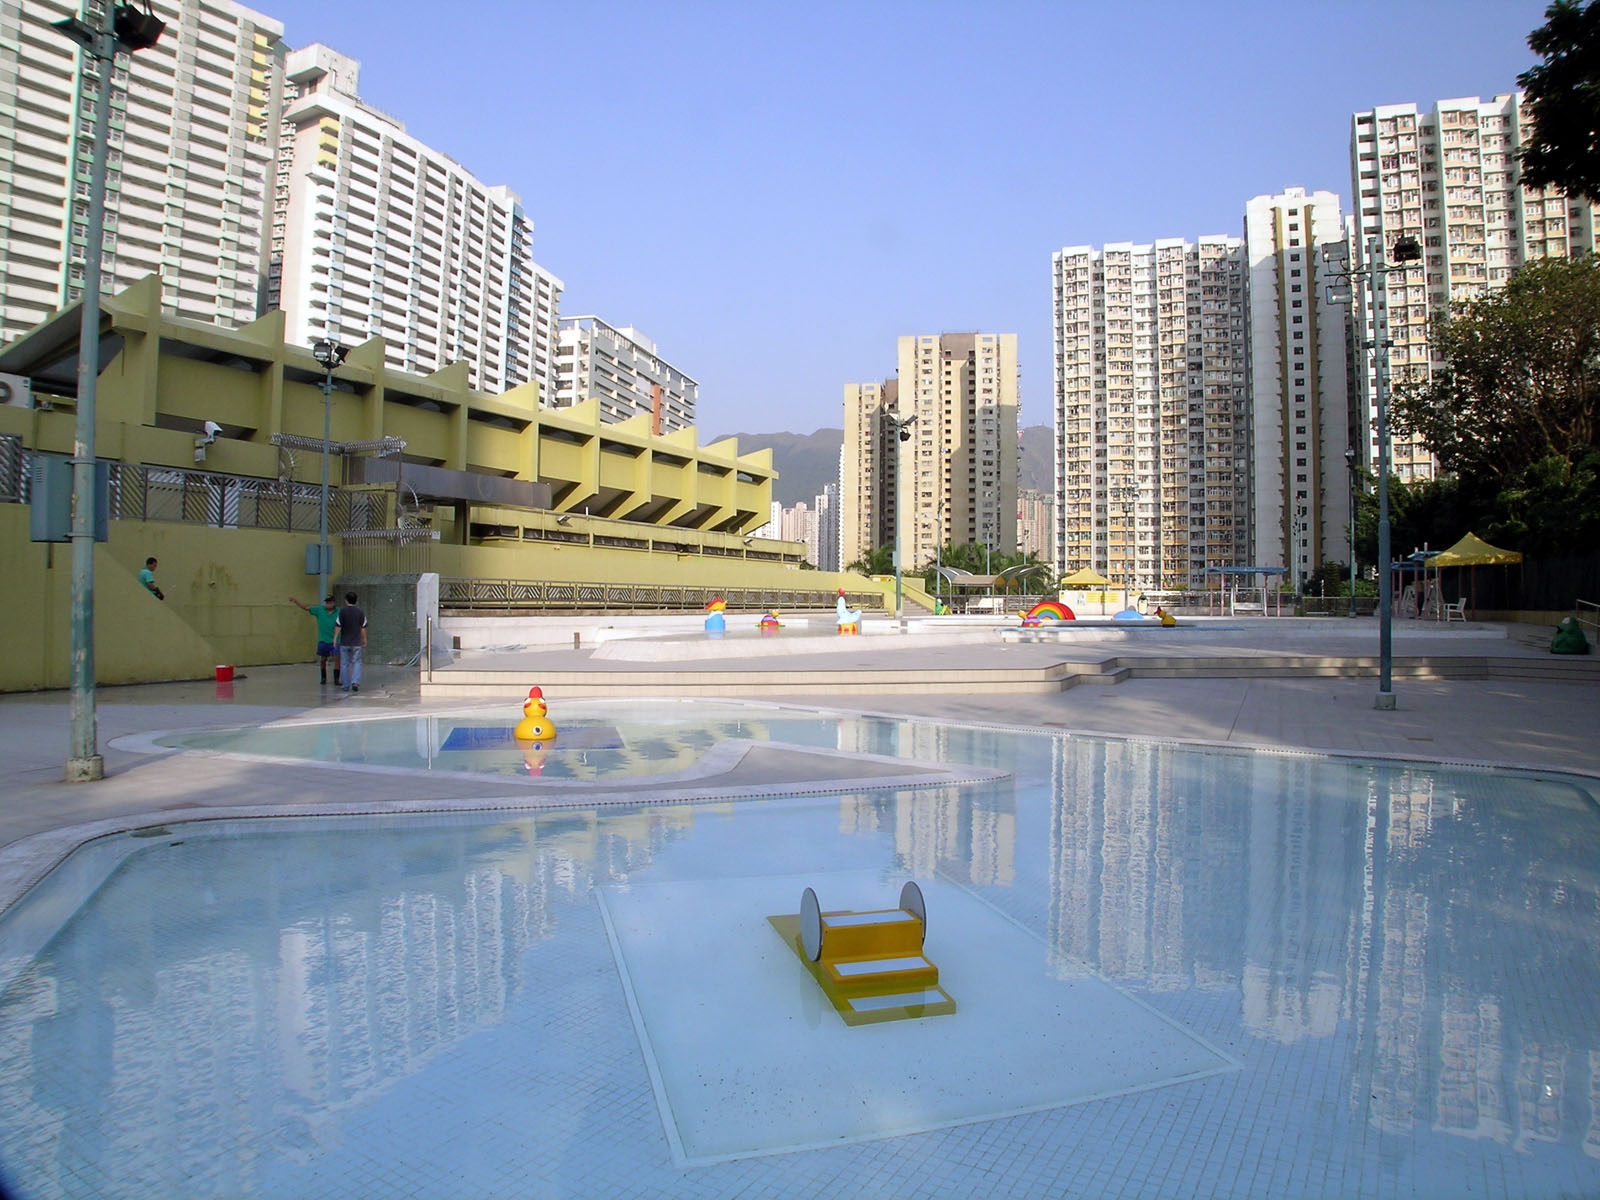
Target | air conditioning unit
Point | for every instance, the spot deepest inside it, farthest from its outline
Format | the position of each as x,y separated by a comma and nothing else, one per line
16,390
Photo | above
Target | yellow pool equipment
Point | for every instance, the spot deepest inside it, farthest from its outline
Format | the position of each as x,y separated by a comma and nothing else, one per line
534,726
870,965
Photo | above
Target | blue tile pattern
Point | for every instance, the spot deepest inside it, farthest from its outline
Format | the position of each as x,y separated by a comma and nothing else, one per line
1404,960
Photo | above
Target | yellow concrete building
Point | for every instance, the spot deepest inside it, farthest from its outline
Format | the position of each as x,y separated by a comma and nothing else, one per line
214,439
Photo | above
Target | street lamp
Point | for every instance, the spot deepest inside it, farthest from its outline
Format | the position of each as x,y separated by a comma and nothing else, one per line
1350,470
1297,530
122,28
900,429
1406,250
1128,493
330,354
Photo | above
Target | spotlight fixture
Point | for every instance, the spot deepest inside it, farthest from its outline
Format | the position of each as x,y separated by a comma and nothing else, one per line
137,30
1407,250
329,353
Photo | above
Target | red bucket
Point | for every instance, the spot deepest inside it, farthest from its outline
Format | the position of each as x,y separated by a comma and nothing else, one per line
224,674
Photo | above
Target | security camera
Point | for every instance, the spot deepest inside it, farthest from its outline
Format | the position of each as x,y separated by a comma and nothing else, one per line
212,429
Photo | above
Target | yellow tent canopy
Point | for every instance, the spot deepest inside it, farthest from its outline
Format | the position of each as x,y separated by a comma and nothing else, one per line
1084,577
1473,551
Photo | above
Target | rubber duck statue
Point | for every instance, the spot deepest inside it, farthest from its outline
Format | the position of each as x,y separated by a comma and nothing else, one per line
849,618
534,726
716,623
1167,619
769,624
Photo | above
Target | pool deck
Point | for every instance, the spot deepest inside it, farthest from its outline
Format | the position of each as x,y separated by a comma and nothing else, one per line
1479,693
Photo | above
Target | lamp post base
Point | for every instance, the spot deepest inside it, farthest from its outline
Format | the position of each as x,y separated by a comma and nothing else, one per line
1384,702
86,770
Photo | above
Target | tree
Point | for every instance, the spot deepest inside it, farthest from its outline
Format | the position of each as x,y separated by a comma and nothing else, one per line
1562,96
1521,375
879,562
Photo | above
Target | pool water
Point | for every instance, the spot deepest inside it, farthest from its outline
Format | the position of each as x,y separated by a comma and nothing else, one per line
627,741
1177,972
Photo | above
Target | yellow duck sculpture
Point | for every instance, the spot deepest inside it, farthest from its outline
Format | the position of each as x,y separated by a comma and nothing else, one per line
534,726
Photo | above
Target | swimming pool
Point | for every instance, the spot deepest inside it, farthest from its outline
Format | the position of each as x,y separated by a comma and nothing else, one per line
614,741
1177,971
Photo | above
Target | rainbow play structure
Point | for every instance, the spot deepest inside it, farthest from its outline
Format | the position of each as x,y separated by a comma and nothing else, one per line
716,622
1048,612
534,726
849,619
870,965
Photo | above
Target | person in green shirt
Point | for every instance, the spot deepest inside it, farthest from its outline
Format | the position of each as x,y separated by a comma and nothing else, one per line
326,617
147,579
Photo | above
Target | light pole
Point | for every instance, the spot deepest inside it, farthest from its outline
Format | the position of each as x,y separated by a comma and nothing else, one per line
1350,470
1129,495
1406,250
1297,529
122,27
330,354
900,430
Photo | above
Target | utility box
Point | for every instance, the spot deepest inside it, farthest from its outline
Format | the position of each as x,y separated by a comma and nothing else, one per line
319,559
50,499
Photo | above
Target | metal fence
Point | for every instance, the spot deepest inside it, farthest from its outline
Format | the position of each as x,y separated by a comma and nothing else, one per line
149,493
523,595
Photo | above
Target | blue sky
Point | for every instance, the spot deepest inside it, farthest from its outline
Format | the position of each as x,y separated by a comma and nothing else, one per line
775,192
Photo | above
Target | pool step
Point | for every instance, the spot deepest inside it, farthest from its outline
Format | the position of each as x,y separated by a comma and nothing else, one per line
874,953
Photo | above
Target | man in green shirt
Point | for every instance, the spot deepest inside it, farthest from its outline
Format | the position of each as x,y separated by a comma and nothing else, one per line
147,579
326,617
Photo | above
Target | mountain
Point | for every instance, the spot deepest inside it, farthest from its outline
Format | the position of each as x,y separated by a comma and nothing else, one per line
1036,459
806,462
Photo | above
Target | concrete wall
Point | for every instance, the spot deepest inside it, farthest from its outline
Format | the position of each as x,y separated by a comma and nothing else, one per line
228,595
227,602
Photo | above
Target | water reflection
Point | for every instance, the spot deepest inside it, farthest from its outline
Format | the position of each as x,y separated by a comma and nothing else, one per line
237,1001
1438,926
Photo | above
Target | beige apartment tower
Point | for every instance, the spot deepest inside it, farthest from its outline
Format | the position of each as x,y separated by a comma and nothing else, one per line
952,479
1152,416
1447,177
960,464
1300,395
867,471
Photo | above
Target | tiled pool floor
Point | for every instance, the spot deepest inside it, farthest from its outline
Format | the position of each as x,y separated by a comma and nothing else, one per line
1324,976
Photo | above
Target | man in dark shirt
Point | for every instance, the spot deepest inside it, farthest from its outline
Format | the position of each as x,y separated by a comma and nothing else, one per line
352,628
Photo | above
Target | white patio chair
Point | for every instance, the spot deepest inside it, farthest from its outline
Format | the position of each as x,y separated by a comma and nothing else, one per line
1456,610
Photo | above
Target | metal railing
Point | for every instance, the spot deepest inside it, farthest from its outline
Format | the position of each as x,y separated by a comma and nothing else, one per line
526,596
1588,614
140,492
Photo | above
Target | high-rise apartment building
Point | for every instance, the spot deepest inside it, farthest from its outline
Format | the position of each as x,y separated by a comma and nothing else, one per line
621,368
1152,456
375,234
868,469
188,168
960,464
1446,177
828,528
1300,412
1036,524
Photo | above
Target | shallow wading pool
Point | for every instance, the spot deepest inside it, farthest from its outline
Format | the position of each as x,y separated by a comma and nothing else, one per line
1177,971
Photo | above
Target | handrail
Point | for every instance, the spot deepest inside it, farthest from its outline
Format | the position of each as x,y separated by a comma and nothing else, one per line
1588,614
530,595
